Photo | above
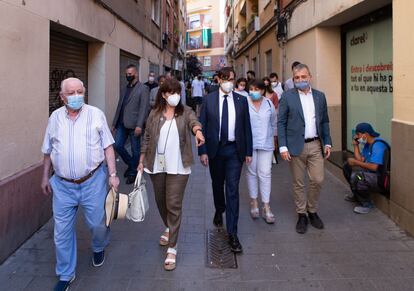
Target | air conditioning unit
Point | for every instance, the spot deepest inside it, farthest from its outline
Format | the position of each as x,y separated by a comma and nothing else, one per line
256,23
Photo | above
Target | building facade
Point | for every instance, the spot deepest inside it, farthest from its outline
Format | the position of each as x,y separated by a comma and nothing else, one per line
250,42
205,34
41,44
174,25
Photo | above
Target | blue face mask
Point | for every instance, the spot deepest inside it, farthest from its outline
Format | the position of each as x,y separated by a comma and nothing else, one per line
75,102
255,95
302,85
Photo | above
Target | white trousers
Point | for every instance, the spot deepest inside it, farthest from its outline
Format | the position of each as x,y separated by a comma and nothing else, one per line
259,175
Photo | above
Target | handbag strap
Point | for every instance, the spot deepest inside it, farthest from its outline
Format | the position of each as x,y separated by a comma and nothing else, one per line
138,180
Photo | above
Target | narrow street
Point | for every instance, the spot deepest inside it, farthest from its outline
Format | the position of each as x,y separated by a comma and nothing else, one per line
354,252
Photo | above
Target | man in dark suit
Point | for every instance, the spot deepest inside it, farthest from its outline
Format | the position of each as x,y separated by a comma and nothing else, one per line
226,126
131,113
304,138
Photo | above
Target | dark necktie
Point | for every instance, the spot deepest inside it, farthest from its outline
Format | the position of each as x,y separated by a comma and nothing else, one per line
224,131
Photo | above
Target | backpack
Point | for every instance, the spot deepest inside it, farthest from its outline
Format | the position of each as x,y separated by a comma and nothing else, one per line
384,170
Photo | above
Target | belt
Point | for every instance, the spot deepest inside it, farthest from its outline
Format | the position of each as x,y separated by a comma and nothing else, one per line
311,139
226,143
83,179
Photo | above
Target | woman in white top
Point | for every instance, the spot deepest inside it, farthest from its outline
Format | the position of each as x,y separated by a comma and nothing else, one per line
241,87
263,119
166,154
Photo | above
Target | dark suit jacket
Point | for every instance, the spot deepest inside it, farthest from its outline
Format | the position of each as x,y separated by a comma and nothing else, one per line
136,109
291,121
210,120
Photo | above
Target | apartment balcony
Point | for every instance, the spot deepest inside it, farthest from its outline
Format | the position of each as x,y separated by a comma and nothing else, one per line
201,41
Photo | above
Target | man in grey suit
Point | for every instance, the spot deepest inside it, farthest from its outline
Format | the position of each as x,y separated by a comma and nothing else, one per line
304,139
131,113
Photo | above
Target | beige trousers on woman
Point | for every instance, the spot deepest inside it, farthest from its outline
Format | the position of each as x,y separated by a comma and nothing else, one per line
169,193
309,161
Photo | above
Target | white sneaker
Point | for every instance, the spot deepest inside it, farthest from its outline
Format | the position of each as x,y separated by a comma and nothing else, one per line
363,210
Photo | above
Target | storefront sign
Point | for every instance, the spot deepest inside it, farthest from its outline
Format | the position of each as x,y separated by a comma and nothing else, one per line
369,78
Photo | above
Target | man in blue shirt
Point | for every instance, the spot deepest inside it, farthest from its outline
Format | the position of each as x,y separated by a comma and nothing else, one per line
362,170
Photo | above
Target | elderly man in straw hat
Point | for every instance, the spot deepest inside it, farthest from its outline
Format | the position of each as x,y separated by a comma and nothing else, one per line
76,143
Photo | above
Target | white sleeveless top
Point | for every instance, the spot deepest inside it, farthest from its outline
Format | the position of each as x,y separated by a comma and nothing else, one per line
172,155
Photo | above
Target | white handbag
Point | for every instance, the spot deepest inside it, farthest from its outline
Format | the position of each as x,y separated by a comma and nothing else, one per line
138,200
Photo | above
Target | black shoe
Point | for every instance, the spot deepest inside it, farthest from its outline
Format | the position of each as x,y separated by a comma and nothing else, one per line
302,224
63,285
98,259
234,243
315,220
130,179
218,219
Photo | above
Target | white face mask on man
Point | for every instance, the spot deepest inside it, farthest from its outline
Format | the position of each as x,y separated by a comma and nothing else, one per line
227,87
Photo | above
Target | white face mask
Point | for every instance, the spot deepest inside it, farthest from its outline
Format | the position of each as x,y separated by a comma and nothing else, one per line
151,79
274,84
173,99
227,87
362,140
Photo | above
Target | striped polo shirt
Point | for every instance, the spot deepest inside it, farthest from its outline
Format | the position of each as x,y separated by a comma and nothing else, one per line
76,147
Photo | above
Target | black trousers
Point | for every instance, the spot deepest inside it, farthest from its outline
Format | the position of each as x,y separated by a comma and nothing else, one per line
225,171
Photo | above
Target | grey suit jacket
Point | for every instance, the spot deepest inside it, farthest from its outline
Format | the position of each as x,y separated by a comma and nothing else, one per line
291,121
136,109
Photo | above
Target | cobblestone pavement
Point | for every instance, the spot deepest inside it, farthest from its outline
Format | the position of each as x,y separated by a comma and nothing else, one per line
353,252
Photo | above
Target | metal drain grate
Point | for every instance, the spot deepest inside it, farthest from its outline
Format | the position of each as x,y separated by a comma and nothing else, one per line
219,254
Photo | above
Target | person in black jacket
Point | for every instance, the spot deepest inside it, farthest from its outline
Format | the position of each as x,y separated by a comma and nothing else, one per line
225,121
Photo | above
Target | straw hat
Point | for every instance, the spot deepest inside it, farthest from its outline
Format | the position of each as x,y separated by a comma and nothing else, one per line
116,206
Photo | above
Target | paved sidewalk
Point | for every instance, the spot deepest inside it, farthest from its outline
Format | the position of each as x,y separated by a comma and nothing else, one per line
354,252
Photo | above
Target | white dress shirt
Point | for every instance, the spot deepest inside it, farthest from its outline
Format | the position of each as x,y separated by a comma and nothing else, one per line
76,147
278,89
308,107
198,88
232,114
289,84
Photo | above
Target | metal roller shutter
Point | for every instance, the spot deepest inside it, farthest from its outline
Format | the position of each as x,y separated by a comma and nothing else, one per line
68,58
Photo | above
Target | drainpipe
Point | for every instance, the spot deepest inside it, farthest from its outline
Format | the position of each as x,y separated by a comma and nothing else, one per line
281,34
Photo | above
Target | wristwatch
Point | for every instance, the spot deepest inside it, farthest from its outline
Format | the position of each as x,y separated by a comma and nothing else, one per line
112,175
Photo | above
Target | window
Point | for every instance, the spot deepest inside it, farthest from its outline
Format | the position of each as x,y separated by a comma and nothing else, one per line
268,62
254,65
195,42
207,20
155,11
154,68
207,61
194,21
167,21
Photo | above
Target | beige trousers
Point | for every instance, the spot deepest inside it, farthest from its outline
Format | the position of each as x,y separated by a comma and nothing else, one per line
169,193
311,161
